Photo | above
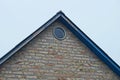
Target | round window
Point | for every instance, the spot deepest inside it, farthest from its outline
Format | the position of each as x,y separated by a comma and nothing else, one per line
59,33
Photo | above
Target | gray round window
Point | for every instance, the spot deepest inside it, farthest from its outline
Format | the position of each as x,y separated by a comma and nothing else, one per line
59,33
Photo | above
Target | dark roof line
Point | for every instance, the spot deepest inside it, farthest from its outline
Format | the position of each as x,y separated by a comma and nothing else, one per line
60,16
28,39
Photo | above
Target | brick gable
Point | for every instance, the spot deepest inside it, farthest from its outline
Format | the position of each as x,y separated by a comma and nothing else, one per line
46,58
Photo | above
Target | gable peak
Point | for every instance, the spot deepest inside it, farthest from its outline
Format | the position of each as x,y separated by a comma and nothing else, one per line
60,12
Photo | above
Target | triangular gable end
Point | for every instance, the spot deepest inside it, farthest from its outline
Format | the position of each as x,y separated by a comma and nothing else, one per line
60,16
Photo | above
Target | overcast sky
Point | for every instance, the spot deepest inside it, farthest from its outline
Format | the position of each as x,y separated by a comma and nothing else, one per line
99,19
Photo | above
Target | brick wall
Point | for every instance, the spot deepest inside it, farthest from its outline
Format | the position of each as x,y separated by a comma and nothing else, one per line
46,58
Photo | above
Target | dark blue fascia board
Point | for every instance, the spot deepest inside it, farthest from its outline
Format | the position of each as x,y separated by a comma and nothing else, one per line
29,38
90,44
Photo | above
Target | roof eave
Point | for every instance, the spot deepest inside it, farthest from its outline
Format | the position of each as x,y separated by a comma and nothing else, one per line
29,38
90,44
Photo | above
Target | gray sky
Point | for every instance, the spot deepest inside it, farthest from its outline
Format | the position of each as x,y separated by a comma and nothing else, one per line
99,19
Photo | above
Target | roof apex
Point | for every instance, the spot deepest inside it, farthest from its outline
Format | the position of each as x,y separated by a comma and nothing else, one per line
60,12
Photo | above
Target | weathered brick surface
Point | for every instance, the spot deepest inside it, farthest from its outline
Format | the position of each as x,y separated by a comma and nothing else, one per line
46,58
